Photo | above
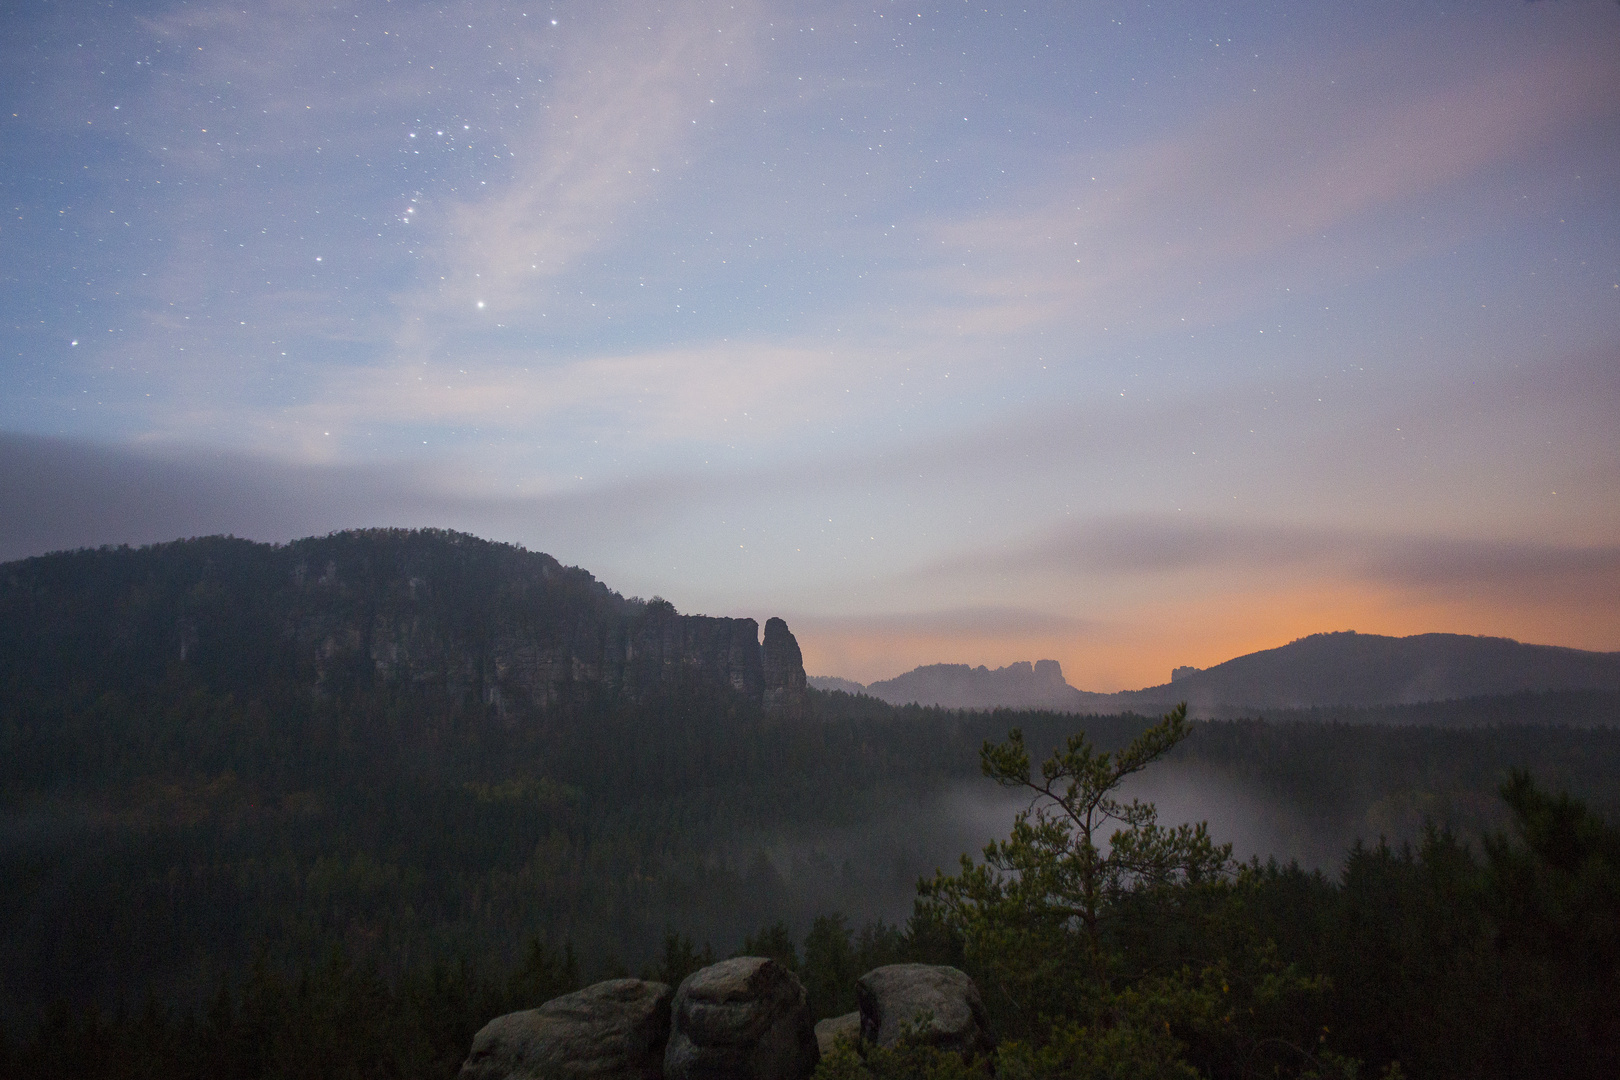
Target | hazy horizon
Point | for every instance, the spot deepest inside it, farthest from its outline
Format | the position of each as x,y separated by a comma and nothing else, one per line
1130,336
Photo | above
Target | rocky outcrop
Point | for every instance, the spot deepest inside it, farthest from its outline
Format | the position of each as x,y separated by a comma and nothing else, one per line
786,689
830,1030
741,1019
940,1005
615,1030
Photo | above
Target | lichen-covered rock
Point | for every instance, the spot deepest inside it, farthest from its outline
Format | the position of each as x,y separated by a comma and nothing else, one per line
741,1019
940,1003
830,1030
614,1030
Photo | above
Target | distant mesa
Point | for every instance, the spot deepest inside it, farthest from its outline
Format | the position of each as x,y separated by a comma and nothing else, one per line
957,686
1323,670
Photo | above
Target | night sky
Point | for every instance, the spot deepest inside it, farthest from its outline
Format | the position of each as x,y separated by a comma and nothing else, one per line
1131,335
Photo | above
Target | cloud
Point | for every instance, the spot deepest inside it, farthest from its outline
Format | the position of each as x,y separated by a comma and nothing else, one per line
1164,546
68,493
62,494
704,393
271,258
1452,566
623,107
879,646
748,432
1194,223
965,622
1115,598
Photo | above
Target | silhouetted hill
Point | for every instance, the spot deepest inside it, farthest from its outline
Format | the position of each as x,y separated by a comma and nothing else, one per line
403,743
1351,669
220,758
360,610
833,682
958,686
1344,669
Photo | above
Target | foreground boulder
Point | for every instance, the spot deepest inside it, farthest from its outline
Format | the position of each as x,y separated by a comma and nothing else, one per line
940,1004
741,1019
830,1030
615,1030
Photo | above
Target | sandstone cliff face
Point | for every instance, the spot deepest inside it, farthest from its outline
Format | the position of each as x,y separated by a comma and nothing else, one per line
786,688
532,631
514,628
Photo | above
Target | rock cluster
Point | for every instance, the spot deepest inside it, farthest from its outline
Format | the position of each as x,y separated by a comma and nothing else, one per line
741,1019
615,1030
939,1005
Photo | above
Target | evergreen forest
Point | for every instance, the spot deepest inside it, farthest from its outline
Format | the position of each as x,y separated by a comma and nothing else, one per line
208,870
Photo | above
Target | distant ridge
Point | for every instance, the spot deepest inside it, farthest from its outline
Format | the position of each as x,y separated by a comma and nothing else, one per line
833,682
957,686
1342,669
1347,668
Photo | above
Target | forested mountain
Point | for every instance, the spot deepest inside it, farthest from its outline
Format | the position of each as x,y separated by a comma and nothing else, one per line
1347,670
353,610
344,797
406,742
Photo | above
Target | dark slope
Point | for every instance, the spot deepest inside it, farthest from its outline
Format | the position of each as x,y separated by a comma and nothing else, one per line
412,745
1340,670
494,623
1369,669
218,757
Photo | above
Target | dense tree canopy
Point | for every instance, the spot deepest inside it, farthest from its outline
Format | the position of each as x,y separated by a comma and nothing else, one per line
196,845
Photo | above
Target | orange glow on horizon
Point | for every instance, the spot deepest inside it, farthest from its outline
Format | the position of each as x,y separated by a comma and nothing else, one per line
1201,632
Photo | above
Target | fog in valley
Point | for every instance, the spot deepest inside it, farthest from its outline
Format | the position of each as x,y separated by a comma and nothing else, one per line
871,870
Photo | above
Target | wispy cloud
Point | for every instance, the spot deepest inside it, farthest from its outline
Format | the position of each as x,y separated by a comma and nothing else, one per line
1176,546
698,394
952,622
623,108
1191,224
260,312
1113,598
808,303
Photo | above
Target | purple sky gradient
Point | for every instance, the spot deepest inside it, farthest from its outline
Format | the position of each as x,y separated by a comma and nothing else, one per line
1129,335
